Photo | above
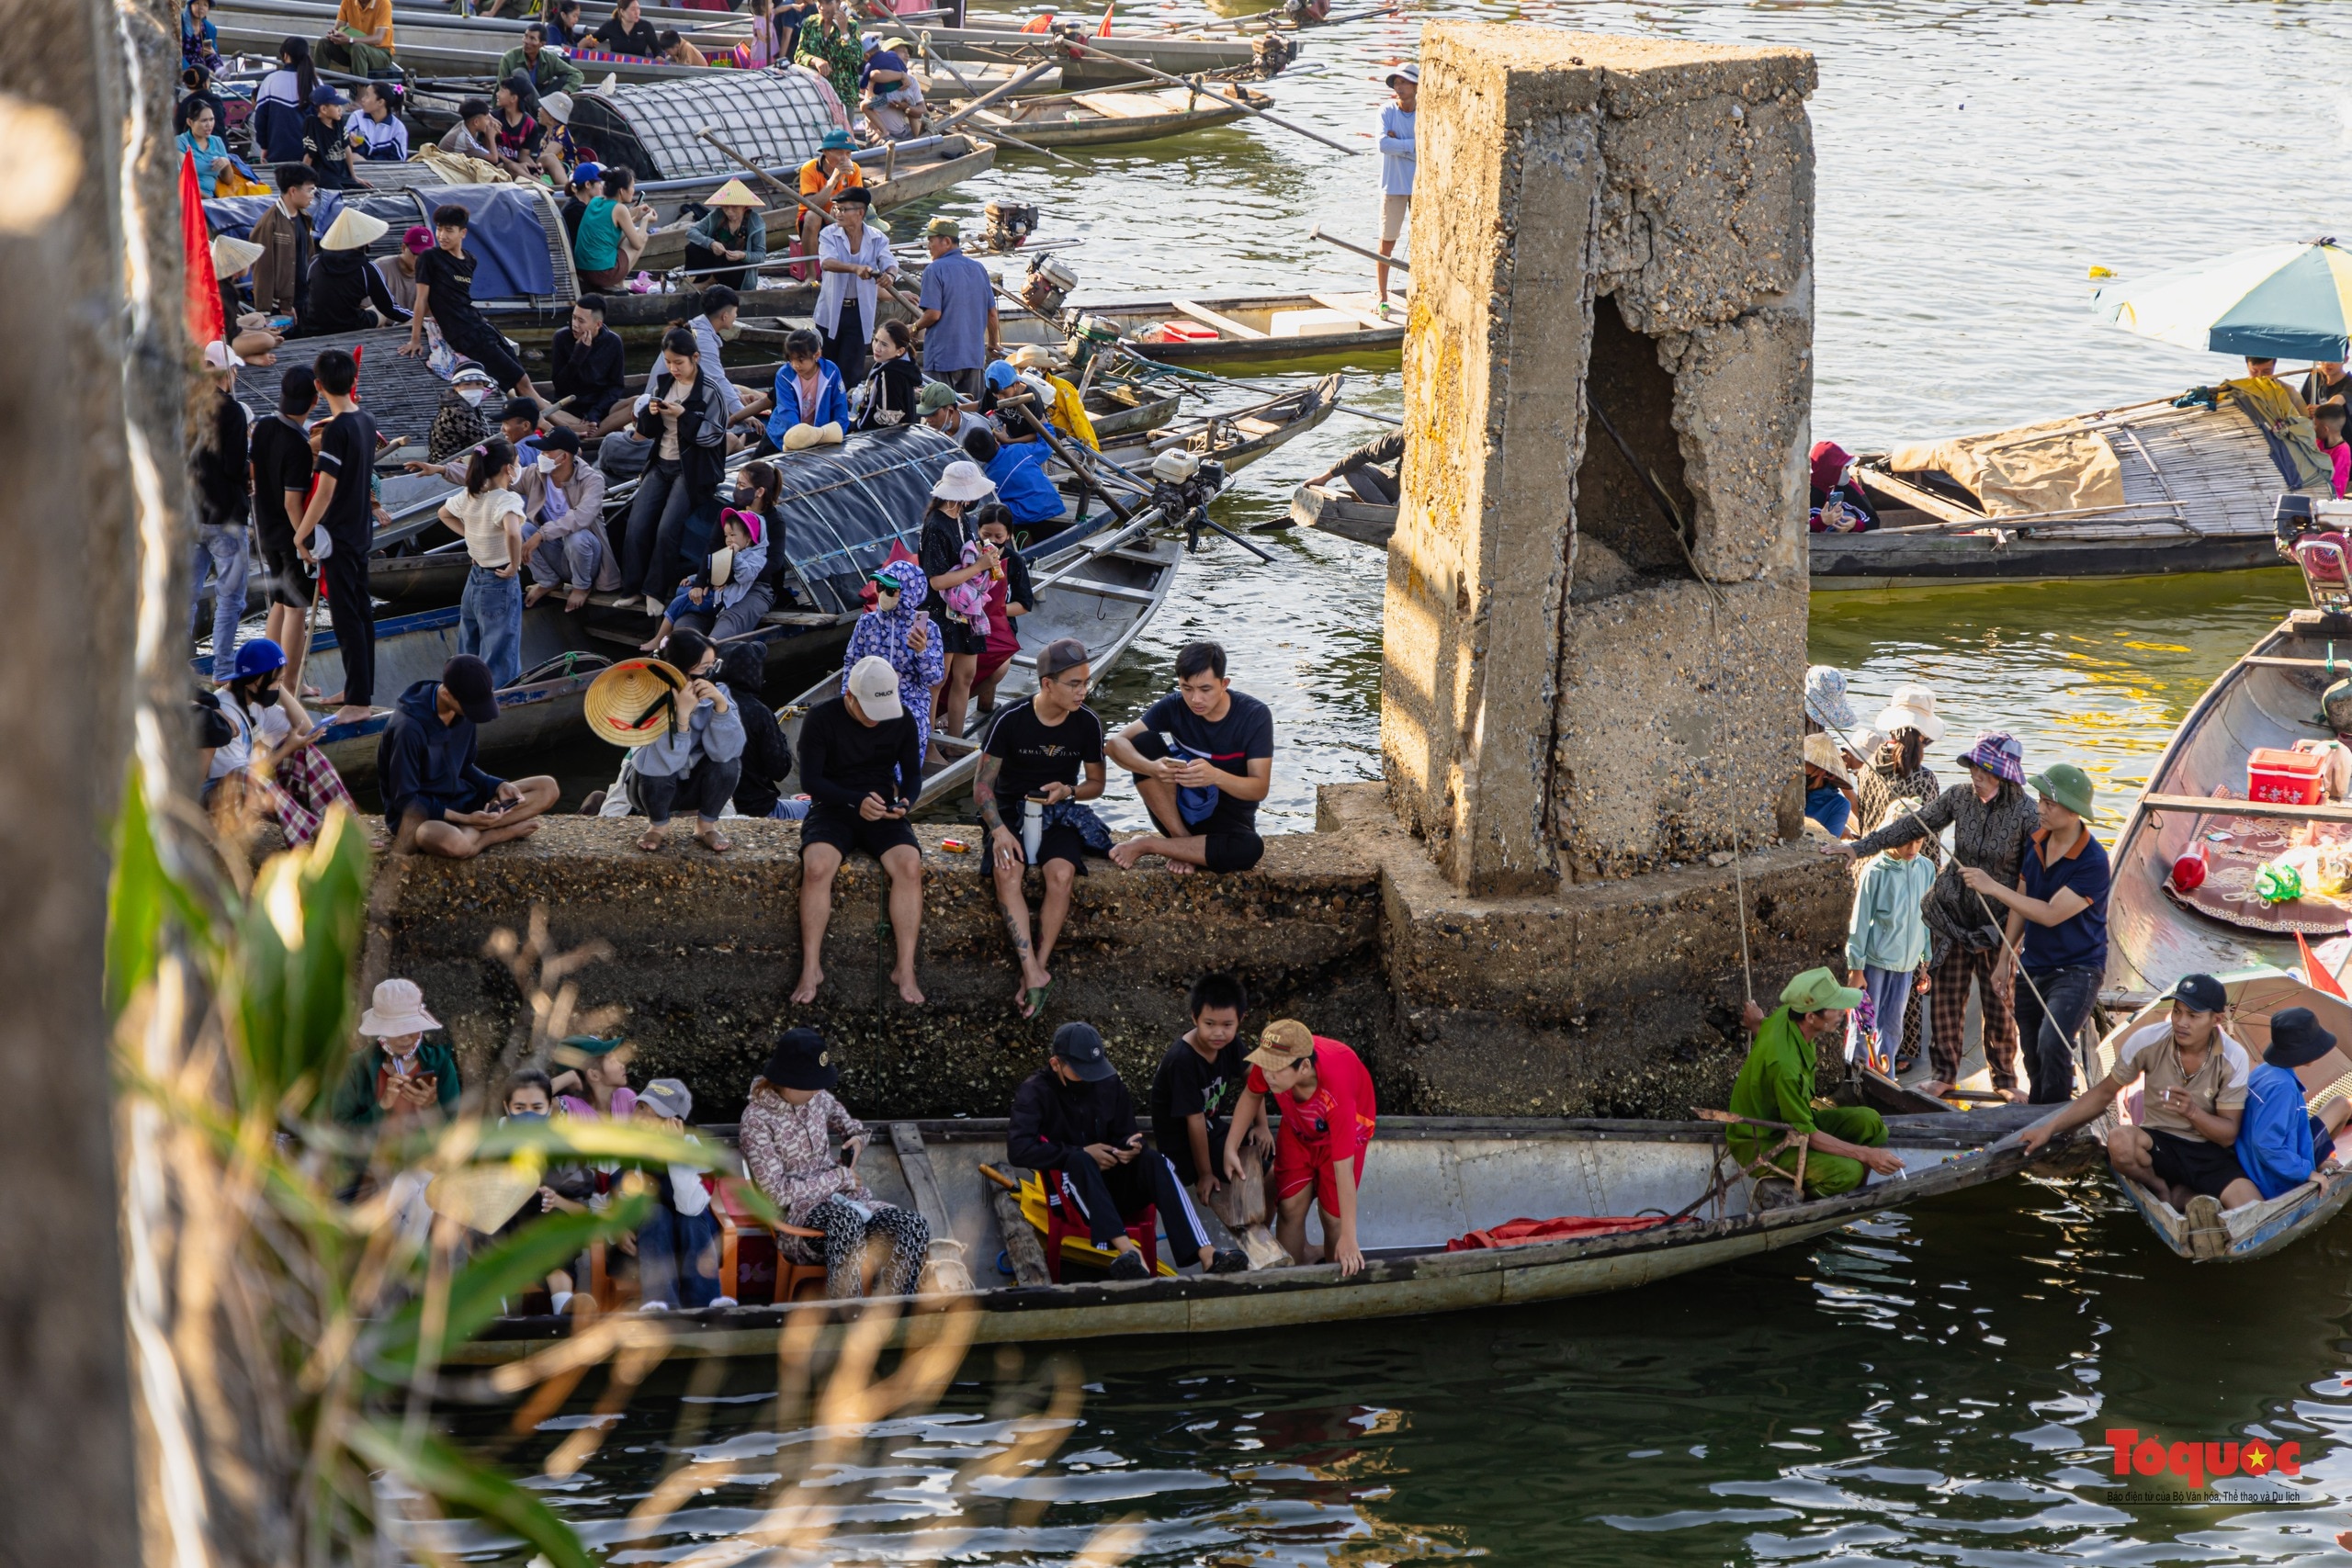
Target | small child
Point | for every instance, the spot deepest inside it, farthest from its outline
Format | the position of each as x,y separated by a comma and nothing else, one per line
677,1250
2327,421
1010,596
1887,938
700,602
530,1097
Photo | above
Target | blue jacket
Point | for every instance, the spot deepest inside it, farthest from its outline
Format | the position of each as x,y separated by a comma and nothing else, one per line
832,401
422,761
2274,1145
1018,471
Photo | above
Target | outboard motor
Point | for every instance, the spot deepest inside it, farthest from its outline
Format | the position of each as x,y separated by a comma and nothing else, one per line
2312,536
1048,285
1089,336
1182,484
1009,224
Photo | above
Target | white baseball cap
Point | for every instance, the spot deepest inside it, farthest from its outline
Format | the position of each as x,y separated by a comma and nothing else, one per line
875,686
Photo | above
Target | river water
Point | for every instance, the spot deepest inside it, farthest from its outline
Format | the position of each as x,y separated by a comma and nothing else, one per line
1929,1388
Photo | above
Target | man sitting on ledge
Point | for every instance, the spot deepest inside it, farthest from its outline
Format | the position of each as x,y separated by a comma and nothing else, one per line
436,802
1775,1084
1202,758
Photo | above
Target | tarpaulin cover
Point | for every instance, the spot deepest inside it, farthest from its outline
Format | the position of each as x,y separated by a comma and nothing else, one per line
2056,466
774,117
844,506
236,215
1526,1233
508,238
2286,430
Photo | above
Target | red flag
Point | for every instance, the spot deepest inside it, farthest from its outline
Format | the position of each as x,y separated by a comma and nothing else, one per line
1104,30
2316,977
205,321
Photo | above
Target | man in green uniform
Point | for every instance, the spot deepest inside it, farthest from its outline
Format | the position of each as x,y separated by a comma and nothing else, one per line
1775,1084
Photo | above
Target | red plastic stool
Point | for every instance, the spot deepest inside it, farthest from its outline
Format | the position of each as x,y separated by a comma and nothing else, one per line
1143,1230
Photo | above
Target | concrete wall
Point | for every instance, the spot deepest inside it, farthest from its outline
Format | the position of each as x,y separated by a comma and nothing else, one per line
1623,224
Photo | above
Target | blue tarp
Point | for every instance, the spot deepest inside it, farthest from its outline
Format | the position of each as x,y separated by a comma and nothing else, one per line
508,238
236,215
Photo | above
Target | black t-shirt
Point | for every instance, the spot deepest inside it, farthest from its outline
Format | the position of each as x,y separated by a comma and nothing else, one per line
347,455
327,151
942,550
451,279
216,469
843,762
1246,732
637,41
281,462
1186,1086
1036,753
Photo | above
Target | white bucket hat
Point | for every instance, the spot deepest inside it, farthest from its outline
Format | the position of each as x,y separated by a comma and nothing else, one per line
1821,751
352,231
399,1009
1913,706
963,481
559,106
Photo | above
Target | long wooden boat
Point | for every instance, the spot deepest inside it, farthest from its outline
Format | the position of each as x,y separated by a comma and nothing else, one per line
1234,437
923,172
2146,489
1244,329
1100,118
2195,799
2261,1228
1102,590
1429,1181
1334,509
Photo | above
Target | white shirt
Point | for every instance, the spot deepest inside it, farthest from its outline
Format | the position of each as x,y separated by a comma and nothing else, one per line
484,516
239,753
873,250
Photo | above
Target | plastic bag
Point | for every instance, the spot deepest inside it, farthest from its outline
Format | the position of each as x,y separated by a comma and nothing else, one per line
2279,882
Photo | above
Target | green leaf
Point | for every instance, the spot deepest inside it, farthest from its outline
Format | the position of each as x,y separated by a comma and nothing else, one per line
477,1292
142,895
298,945
583,1138
467,1486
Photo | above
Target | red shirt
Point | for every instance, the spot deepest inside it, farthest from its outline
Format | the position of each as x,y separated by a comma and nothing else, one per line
1343,1105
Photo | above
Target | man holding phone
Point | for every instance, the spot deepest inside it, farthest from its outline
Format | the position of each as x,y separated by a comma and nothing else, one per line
2193,1090
1040,754
861,762
397,1074
1202,758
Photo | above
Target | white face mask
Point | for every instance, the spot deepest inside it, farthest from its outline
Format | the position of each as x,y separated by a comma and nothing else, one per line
547,462
473,395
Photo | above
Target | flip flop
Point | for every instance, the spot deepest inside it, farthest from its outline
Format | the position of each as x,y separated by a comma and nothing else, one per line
717,843
1033,1002
652,843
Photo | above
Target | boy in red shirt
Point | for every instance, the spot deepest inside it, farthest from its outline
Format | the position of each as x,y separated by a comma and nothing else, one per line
1328,1115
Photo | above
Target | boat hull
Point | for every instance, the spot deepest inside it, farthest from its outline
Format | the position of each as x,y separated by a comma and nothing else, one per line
1329,510
1883,559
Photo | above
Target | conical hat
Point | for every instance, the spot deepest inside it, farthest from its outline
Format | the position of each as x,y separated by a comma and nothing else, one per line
735,193
722,566
232,255
483,1197
352,230
625,703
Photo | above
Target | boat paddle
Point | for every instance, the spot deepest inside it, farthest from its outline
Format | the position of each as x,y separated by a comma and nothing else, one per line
1317,234
1094,46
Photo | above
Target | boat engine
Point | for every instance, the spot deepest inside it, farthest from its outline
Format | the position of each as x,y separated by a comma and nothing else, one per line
1009,224
2318,545
1271,53
1048,285
1182,484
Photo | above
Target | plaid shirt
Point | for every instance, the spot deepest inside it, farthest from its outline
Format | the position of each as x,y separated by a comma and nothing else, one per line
1995,838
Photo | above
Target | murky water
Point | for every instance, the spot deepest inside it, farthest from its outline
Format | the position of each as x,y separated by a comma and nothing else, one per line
1931,1388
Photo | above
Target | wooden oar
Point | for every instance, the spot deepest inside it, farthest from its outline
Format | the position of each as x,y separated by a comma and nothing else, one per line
782,188
1094,46
1317,234
1010,84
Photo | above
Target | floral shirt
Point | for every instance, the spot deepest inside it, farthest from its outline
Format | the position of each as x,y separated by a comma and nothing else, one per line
1994,838
794,1151
833,56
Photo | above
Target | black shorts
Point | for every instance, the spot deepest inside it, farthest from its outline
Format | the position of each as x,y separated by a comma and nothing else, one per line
479,342
288,584
955,636
2193,1163
845,830
1058,841
1231,828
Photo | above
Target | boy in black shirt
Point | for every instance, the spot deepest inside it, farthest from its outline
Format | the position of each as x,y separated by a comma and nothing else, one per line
1193,1092
281,460
340,509
1035,755
1202,758
861,762
325,147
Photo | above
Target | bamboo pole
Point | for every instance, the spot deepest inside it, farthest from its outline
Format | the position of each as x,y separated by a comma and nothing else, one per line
1094,46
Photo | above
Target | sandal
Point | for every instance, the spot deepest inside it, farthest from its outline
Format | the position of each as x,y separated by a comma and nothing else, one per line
714,840
1033,1002
653,841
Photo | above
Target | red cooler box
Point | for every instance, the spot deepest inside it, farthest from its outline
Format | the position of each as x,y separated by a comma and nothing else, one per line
2289,777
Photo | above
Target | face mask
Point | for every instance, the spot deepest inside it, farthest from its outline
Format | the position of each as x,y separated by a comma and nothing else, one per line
473,395
527,1116
547,462
743,500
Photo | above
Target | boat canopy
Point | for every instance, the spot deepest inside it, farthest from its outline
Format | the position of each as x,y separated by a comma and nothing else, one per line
2060,465
844,506
775,118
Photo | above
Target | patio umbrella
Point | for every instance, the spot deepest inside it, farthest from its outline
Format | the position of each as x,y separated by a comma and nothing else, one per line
2274,301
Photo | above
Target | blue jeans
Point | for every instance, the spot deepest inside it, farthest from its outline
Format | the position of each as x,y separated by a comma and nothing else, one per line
2047,1033
1890,992
489,624
677,1257
220,556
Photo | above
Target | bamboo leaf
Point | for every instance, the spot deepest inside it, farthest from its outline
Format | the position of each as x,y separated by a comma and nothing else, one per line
477,1292
467,1486
297,943
583,1138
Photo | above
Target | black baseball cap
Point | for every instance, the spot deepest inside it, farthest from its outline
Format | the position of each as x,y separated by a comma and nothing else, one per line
1062,653
1080,1045
2199,991
466,679
525,409
558,440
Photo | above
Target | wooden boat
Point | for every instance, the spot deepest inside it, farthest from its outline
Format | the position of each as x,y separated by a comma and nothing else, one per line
2155,931
927,167
1430,1180
1102,590
1100,118
1335,509
1235,437
2261,1228
1081,67
2146,489
1250,329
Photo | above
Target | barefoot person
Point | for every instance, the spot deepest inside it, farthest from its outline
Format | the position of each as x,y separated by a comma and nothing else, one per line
436,802
1844,1144
1202,758
1329,1115
862,765
1199,1081
1042,756
2193,1076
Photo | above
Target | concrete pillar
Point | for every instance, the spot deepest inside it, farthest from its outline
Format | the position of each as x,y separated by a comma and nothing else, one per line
1620,227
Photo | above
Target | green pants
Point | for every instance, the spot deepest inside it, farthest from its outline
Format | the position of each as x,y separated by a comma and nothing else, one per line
354,57
1826,1176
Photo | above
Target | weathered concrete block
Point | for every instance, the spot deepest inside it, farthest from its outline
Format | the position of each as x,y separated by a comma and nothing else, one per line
1611,253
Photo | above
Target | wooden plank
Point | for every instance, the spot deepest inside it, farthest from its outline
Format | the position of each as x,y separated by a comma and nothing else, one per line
1334,302
914,1160
1225,324
2271,810
1023,1248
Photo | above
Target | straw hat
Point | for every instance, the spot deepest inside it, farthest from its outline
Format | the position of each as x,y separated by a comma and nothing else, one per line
627,704
722,566
484,1197
352,230
1912,707
962,481
1032,357
399,1009
800,437
735,193
1821,751
232,255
